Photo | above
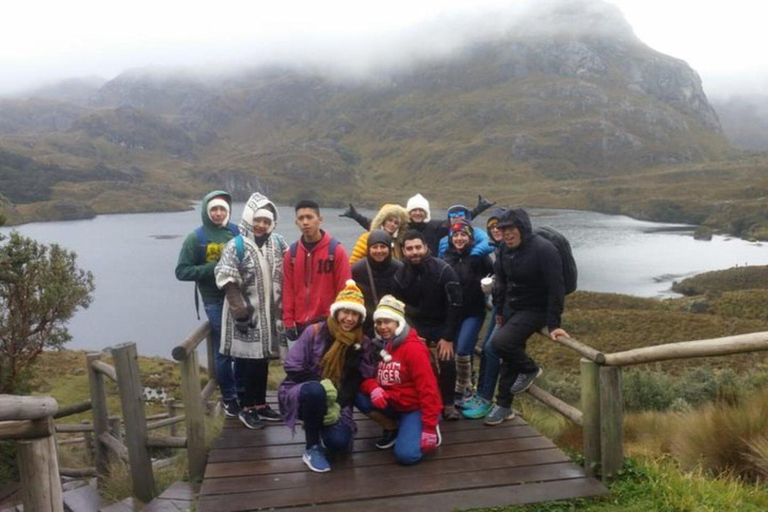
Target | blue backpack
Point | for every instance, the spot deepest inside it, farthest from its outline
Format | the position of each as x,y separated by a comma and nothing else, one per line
331,250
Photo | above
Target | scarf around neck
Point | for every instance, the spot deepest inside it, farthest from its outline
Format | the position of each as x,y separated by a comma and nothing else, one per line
332,363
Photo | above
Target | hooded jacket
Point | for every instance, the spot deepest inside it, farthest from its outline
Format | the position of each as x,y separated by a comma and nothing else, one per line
408,379
386,211
259,276
433,230
383,277
470,269
529,277
311,281
197,263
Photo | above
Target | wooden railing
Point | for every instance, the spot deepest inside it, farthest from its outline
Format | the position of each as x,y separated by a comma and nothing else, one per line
29,420
602,415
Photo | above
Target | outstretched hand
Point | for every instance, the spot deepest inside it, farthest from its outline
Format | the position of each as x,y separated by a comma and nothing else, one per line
558,332
350,212
483,203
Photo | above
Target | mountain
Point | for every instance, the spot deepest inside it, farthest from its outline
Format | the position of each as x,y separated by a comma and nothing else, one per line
745,120
564,108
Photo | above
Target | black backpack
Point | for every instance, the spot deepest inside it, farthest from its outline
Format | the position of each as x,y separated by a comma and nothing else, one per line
570,273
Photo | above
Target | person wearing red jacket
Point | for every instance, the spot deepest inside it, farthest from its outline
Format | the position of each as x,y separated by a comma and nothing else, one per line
315,270
404,387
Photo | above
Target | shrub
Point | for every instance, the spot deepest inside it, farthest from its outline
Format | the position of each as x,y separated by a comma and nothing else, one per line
646,390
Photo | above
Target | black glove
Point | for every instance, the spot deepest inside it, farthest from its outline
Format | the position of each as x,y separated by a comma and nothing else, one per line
349,212
292,333
242,325
482,205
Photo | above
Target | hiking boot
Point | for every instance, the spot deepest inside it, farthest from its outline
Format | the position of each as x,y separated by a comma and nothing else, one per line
314,458
231,407
266,413
450,413
387,440
480,410
498,415
524,381
251,420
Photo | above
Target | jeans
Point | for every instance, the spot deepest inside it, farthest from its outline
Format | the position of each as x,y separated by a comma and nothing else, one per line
225,373
253,373
468,332
312,408
509,343
489,363
408,442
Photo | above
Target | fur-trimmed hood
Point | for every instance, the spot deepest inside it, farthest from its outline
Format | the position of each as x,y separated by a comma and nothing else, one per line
391,210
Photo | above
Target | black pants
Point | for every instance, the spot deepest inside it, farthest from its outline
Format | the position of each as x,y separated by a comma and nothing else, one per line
254,374
446,380
509,343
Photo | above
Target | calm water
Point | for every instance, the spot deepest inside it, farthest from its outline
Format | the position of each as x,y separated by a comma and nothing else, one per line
138,298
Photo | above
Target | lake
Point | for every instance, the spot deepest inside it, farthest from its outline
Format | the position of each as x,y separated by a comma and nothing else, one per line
138,298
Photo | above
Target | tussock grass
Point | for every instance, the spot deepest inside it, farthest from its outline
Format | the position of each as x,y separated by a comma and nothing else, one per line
738,278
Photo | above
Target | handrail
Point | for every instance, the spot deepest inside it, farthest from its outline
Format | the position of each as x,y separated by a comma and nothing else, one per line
13,407
741,343
106,369
182,350
582,349
567,410
73,409
72,429
166,422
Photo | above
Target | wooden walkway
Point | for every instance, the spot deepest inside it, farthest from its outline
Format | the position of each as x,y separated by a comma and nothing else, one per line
476,466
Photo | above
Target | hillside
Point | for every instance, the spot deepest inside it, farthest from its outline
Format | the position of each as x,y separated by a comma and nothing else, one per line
561,110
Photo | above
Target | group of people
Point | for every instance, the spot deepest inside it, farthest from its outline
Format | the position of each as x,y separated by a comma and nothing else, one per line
391,330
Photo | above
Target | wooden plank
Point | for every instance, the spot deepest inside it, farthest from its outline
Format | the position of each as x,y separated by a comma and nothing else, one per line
243,437
15,407
39,470
129,386
377,457
115,446
296,449
387,485
464,499
99,412
26,429
611,422
370,475
179,491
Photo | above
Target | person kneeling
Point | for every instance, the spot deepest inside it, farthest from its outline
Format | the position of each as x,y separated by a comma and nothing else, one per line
404,388
324,370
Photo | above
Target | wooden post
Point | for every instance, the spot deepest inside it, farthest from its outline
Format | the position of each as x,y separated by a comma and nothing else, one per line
171,414
195,420
611,422
211,356
100,414
88,438
115,427
590,410
39,472
132,401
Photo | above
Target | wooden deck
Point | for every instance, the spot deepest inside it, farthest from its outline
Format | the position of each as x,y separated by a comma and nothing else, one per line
476,466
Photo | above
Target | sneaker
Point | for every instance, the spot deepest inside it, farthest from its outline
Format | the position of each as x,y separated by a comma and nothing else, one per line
468,402
498,414
314,458
268,414
387,440
524,381
251,420
450,413
480,410
231,407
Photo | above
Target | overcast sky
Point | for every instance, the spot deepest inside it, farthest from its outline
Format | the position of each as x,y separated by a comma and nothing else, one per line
49,40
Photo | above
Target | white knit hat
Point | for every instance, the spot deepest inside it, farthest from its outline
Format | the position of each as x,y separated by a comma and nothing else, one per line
419,201
217,201
392,309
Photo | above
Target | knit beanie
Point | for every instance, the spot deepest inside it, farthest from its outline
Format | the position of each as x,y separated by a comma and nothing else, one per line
419,201
217,201
462,226
392,309
350,298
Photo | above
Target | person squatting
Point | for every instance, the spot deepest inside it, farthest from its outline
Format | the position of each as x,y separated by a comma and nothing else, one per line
390,330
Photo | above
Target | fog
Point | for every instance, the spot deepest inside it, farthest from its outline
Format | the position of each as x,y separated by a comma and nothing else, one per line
50,41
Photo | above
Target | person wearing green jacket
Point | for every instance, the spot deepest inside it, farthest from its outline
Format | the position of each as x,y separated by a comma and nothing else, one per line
197,260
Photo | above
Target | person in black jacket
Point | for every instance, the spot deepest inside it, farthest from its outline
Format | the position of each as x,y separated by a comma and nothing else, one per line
431,291
529,293
379,265
470,269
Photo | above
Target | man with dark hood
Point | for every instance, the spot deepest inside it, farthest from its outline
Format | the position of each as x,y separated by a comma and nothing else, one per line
528,295
199,255
375,274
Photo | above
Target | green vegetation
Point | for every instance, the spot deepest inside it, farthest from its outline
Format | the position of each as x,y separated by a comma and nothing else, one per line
719,281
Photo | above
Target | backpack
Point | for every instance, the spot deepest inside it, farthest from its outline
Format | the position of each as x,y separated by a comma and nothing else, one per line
331,250
570,273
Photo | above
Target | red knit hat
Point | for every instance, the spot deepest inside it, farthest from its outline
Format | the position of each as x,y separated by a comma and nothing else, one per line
463,226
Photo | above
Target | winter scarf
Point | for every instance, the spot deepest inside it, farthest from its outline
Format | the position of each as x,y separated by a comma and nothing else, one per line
332,364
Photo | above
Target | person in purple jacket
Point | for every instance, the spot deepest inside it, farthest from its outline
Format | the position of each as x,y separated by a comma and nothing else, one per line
324,370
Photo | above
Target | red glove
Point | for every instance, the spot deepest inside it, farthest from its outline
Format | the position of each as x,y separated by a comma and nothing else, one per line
379,398
429,440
